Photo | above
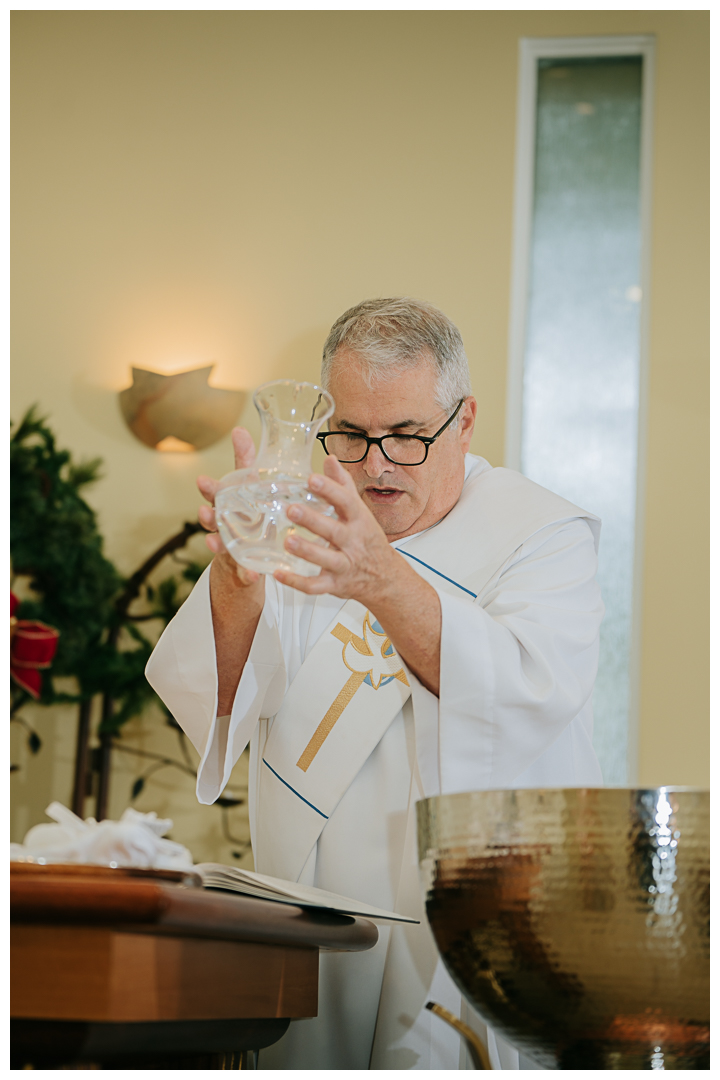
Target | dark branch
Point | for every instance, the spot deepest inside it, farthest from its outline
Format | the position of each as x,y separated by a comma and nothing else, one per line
135,582
244,844
116,745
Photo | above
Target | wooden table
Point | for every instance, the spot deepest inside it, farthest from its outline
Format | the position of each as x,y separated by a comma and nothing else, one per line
152,971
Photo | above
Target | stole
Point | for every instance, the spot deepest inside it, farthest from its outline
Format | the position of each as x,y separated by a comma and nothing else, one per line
353,683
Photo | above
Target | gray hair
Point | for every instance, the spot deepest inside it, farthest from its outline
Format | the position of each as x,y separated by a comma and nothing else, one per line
394,335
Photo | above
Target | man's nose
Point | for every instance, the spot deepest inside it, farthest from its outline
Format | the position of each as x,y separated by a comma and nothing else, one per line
376,463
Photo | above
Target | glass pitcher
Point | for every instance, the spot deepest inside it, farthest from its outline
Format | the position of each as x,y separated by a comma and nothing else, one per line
251,504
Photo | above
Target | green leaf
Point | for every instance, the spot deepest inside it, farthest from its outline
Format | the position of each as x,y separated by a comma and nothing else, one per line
86,472
34,742
137,787
56,542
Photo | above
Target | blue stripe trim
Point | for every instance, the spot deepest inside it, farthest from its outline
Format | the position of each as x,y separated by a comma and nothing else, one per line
294,791
429,567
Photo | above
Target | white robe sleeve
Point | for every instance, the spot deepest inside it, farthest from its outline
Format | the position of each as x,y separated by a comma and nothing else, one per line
517,670
183,672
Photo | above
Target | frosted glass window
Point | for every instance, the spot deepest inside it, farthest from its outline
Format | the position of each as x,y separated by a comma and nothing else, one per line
582,348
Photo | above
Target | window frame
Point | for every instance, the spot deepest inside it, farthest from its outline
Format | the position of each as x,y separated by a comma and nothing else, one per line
531,51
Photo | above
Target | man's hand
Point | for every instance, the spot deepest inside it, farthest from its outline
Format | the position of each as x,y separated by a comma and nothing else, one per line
237,595
361,564
244,450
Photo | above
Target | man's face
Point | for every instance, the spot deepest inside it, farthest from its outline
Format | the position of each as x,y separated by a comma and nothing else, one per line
404,499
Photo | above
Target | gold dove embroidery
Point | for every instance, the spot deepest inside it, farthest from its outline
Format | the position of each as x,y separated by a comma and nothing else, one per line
370,655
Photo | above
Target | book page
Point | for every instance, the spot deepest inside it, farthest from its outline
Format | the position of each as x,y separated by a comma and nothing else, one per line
215,875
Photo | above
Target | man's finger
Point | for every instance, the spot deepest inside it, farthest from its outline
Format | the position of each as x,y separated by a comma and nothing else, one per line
335,471
213,541
328,528
244,453
208,488
206,517
247,577
243,448
328,558
312,586
341,495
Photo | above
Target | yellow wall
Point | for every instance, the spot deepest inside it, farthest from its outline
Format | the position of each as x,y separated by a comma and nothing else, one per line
192,186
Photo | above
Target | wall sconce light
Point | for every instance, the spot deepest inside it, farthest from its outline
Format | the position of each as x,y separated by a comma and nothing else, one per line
179,413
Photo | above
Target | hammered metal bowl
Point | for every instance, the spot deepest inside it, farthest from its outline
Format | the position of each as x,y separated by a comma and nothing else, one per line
576,920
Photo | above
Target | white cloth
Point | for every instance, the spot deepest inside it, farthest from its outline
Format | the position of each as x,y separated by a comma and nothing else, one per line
517,668
135,840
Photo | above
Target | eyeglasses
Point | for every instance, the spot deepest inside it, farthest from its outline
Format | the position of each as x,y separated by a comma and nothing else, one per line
351,446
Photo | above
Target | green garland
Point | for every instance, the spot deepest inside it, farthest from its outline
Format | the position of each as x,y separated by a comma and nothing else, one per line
54,539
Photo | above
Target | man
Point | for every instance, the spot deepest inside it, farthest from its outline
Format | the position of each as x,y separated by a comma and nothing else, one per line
467,594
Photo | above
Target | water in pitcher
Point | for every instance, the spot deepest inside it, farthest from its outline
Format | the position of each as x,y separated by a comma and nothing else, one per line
253,524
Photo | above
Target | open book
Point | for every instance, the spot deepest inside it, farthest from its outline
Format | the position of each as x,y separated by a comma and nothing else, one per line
217,876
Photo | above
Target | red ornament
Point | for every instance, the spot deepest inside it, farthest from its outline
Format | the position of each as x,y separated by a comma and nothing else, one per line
32,648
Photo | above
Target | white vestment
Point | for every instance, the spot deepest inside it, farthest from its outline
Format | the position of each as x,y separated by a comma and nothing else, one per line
518,662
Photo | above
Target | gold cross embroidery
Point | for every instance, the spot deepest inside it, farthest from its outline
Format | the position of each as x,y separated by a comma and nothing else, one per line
371,655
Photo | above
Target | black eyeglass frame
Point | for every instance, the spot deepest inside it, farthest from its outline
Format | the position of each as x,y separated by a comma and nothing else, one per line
428,440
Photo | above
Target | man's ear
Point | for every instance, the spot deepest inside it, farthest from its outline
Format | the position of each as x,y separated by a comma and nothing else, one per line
468,413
